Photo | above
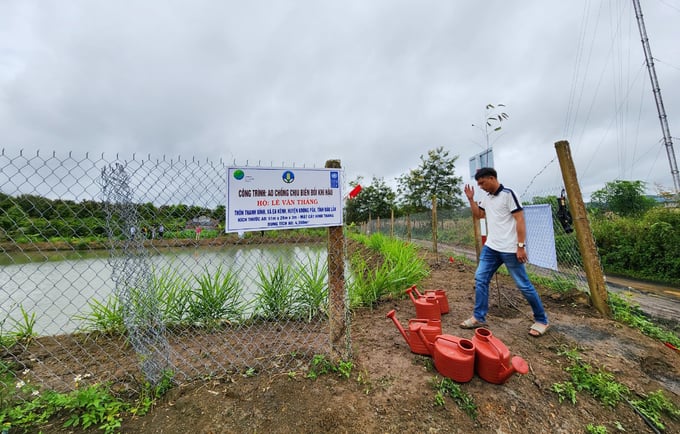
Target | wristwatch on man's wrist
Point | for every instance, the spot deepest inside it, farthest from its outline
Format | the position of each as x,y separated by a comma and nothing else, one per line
521,245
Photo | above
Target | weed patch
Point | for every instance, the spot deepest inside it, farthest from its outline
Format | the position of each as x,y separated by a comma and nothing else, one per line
603,386
447,387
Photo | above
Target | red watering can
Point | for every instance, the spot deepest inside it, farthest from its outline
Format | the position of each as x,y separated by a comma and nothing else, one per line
421,333
493,363
427,307
454,357
440,294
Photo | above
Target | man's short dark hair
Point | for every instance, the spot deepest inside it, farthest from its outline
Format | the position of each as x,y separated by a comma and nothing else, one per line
485,172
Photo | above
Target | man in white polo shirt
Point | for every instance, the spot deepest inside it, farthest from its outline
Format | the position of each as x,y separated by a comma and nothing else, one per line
505,239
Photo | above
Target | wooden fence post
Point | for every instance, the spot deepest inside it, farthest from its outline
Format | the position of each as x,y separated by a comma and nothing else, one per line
434,225
586,241
408,227
337,310
392,223
478,235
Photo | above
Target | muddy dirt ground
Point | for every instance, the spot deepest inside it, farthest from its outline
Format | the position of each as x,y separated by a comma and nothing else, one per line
391,389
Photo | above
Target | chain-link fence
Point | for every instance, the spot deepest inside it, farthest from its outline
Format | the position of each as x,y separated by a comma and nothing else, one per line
118,269
551,242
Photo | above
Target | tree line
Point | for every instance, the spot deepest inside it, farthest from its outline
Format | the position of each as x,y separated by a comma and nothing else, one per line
635,235
32,218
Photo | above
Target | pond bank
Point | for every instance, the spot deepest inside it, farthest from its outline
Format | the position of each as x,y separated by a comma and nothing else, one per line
226,240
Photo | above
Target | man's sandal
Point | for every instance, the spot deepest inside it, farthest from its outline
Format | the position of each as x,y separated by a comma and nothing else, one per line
537,329
472,323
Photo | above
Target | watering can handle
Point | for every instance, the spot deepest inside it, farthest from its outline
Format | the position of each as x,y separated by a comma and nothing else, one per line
456,342
499,354
422,337
444,338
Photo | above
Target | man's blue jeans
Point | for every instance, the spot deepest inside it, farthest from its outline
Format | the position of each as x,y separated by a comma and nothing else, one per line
489,261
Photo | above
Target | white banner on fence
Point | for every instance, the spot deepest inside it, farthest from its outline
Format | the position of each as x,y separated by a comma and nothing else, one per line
260,199
540,236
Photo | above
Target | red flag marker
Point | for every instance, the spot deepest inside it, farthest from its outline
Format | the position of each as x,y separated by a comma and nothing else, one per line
352,194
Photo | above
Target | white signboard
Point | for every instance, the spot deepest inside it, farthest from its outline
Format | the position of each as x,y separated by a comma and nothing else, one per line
260,199
540,236
483,159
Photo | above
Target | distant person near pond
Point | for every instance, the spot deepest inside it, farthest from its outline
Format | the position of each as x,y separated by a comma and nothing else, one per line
198,232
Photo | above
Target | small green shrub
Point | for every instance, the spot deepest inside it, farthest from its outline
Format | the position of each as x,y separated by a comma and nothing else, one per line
320,365
595,429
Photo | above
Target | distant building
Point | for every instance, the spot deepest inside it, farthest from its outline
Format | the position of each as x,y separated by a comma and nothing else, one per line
204,222
667,201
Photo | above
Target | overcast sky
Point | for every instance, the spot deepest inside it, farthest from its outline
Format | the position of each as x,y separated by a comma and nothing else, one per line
374,83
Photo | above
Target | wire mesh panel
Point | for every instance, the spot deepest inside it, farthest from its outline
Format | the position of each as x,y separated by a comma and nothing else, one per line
567,272
116,267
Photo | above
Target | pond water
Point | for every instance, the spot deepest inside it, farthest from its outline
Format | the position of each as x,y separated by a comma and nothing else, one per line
58,287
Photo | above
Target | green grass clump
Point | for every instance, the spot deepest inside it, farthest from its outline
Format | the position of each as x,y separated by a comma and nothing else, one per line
91,406
23,329
217,296
275,299
557,283
25,408
447,387
654,405
400,266
598,383
312,288
104,316
603,386
173,294
634,317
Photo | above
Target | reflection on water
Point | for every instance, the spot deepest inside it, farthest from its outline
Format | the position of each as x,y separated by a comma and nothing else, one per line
58,286
27,257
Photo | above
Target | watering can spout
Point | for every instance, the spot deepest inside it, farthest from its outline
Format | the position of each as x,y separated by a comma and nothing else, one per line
410,293
517,366
391,314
